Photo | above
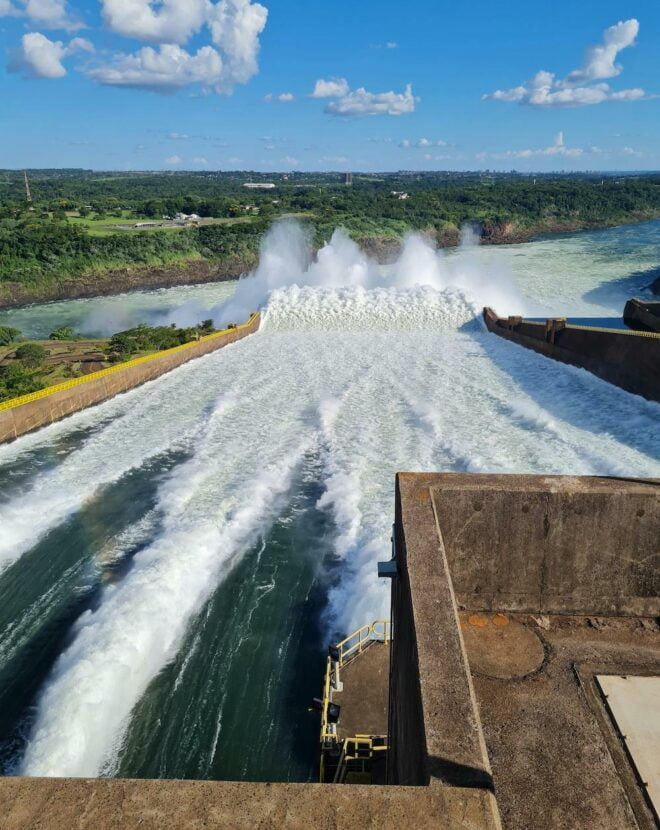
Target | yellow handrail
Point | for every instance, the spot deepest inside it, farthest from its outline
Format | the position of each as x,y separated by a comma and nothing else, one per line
349,648
69,384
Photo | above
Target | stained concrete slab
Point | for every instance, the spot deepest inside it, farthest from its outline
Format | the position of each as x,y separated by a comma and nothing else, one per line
634,703
365,696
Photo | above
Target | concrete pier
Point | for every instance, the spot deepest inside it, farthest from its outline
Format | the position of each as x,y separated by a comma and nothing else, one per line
629,359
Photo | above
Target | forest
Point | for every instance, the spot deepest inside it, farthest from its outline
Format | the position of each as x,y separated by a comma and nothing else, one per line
81,221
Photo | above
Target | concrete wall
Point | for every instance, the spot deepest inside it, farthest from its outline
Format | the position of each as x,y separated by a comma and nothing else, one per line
630,360
53,407
553,544
435,732
65,804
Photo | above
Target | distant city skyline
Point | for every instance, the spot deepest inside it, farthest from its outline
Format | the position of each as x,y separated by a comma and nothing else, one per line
280,86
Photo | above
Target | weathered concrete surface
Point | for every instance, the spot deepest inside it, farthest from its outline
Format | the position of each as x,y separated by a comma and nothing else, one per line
364,699
630,360
539,543
47,410
435,733
552,544
552,763
64,804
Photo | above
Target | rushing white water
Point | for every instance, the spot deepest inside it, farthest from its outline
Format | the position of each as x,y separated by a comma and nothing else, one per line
374,372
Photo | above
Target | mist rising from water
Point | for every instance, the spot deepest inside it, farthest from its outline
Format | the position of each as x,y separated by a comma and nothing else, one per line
287,261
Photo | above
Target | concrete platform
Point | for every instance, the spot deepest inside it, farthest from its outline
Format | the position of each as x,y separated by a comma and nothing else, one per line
512,594
364,699
551,757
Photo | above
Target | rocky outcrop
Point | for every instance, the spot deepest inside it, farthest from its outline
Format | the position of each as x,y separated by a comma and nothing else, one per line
120,280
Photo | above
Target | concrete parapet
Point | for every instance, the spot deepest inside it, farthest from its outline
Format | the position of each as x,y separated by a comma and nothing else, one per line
629,359
42,408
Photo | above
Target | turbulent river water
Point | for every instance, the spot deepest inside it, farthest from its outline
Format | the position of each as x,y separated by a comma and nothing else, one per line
174,561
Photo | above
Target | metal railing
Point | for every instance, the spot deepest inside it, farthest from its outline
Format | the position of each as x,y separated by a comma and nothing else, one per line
349,648
357,754
138,361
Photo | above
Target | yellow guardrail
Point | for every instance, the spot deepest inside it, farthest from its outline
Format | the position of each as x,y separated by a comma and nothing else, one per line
138,361
349,648
629,332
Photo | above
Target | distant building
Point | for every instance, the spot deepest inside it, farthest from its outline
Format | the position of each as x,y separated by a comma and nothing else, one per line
259,185
348,178
401,195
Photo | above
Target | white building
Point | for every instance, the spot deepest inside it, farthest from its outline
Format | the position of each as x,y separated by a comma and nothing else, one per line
259,185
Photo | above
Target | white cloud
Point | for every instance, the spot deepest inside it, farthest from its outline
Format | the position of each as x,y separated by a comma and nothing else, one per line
52,14
557,148
173,160
290,161
600,60
578,88
332,88
334,160
200,160
362,103
172,21
283,97
425,142
630,151
163,70
178,136
39,57
235,28
234,25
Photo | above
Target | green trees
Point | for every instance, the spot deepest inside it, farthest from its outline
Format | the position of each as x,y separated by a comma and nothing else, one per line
63,333
31,355
8,335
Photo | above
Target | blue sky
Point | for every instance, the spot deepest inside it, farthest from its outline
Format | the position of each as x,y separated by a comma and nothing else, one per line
319,85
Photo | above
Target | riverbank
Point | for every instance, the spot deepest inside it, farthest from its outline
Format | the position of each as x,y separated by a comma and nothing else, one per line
105,282
194,271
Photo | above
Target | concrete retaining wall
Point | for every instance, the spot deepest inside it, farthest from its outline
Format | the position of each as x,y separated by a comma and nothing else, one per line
627,359
57,404
553,544
435,732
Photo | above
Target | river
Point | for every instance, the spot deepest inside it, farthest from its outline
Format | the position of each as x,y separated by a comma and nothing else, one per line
174,561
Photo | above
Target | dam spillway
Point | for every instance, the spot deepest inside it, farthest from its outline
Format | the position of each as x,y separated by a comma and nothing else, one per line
198,537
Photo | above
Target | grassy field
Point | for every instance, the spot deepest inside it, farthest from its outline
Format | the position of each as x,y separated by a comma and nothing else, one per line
117,224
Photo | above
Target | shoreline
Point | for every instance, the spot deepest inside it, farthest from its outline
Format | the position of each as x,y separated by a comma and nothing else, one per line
126,279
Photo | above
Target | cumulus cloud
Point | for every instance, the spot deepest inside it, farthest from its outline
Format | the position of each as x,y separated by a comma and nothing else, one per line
585,85
40,57
50,14
200,160
283,97
165,69
234,26
173,160
170,21
600,60
290,161
332,88
557,148
362,103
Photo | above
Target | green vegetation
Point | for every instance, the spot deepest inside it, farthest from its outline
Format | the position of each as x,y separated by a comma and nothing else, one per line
126,344
31,355
8,335
63,333
81,222
24,369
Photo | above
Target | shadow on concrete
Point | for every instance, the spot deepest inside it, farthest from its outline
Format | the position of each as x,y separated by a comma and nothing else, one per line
460,775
